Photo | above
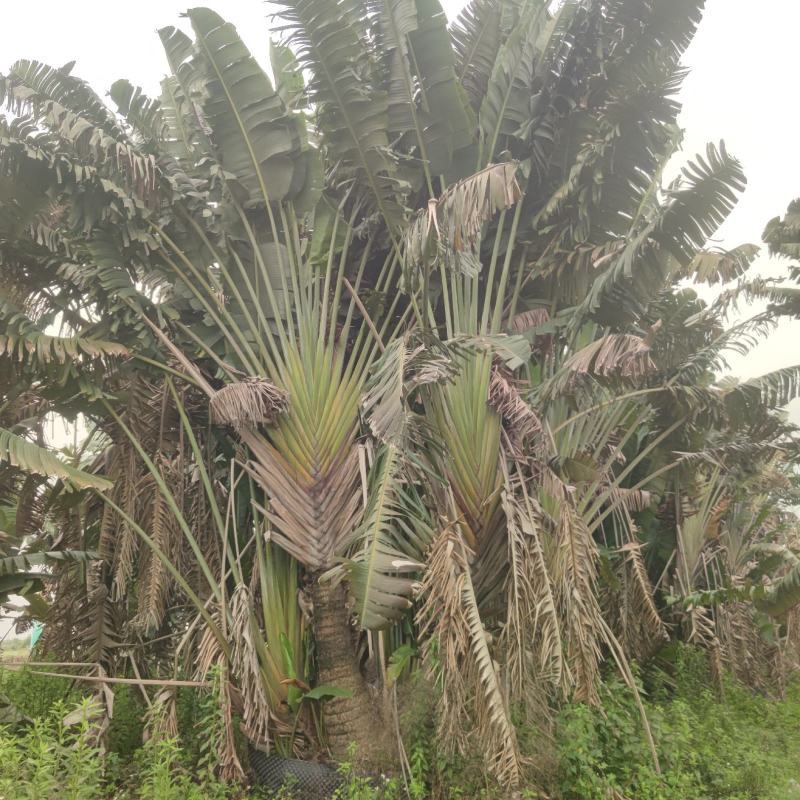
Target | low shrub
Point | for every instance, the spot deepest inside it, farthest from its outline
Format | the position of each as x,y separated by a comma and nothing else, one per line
730,746
50,761
35,695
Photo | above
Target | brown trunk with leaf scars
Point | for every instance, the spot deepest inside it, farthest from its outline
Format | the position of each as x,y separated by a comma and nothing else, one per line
359,719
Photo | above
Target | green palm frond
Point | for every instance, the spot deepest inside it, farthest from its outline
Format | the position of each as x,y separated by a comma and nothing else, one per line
673,26
447,120
32,83
405,367
24,341
141,112
695,206
186,131
505,108
774,389
289,82
309,465
32,458
721,266
739,338
776,598
700,201
72,111
698,527
782,595
782,234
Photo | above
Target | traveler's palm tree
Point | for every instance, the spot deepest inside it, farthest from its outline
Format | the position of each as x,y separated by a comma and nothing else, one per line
418,289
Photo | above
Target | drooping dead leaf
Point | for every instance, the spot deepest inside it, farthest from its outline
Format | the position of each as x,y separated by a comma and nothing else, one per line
530,319
249,402
520,420
614,354
471,686
455,219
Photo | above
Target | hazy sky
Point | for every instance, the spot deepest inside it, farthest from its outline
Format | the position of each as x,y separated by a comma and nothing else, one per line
741,89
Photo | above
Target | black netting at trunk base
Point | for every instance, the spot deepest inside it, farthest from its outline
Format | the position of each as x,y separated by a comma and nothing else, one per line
308,780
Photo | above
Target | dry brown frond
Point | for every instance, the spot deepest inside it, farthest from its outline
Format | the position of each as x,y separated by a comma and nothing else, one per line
383,403
209,651
455,219
519,418
466,670
154,584
532,633
405,366
629,499
741,646
63,616
699,627
249,402
575,574
125,540
614,354
108,530
230,767
717,662
530,319
630,606
125,556
199,517
30,512
162,717
255,711
97,628
643,590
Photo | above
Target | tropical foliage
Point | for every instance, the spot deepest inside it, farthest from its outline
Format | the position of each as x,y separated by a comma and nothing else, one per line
399,336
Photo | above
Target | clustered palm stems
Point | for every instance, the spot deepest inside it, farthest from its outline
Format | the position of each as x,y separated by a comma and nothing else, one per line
395,335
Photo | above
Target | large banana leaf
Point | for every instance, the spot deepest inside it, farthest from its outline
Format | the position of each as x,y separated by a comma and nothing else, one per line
448,121
351,113
258,140
478,33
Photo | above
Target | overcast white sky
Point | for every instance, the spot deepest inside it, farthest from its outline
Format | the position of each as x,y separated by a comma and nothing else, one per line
741,89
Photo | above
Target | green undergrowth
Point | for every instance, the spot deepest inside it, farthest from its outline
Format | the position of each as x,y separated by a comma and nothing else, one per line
728,744
713,744
35,695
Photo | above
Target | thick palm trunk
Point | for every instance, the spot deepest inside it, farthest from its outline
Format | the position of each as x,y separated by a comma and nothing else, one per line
358,719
